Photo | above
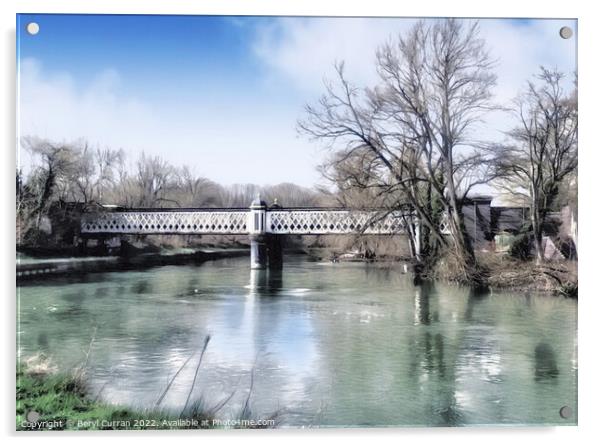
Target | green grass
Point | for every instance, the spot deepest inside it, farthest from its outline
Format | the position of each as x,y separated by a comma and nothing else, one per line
63,404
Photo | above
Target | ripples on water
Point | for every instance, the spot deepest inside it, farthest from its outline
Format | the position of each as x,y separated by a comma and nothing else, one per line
328,344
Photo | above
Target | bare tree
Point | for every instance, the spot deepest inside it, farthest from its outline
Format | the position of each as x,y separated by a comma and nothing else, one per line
289,195
408,139
542,151
107,161
55,164
80,183
195,191
154,178
239,195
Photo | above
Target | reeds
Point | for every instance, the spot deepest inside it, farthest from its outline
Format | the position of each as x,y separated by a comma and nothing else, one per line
41,388
196,373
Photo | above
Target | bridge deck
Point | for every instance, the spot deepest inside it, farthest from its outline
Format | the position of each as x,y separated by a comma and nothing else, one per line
300,221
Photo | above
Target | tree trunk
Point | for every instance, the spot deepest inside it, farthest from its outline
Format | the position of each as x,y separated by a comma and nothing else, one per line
537,235
468,269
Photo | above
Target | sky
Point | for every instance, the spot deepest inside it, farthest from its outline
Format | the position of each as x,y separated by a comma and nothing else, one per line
222,95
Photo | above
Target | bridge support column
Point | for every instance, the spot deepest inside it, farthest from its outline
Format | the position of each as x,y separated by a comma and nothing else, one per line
257,234
259,251
274,243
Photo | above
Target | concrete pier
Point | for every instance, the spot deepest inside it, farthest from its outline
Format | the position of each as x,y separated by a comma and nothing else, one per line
259,251
257,234
274,244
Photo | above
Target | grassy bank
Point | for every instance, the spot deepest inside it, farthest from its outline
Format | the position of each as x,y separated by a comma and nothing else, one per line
62,403
48,400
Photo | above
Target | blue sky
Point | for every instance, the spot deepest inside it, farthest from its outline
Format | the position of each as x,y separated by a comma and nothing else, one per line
223,94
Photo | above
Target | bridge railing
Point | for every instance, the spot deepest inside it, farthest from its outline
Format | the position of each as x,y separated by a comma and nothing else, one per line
167,222
239,221
320,221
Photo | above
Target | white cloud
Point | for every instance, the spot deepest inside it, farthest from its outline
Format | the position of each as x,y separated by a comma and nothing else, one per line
521,50
250,137
304,50
53,107
234,141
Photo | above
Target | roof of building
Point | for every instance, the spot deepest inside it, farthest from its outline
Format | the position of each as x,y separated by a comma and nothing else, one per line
510,200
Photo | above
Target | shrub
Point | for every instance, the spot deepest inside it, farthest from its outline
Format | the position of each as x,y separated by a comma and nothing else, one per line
520,248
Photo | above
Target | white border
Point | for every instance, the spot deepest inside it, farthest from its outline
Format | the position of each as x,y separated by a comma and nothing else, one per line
590,159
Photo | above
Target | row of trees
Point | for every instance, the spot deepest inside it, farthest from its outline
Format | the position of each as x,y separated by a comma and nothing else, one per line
410,140
78,173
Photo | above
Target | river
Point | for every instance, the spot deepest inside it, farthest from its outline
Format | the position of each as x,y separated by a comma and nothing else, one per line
322,344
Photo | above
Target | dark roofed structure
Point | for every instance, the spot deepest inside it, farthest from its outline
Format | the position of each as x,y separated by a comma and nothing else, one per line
483,220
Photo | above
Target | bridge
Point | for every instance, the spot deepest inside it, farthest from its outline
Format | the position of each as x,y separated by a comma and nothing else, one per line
264,225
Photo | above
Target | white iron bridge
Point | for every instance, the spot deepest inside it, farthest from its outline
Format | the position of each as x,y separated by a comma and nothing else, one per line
264,225
240,221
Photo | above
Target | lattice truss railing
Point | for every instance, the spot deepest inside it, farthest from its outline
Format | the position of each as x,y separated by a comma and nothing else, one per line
196,222
236,222
334,222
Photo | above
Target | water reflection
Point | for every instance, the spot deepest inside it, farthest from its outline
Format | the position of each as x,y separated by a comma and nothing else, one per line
265,282
337,344
546,367
43,342
101,292
451,415
422,308
475,297
193,285
435,358
141,287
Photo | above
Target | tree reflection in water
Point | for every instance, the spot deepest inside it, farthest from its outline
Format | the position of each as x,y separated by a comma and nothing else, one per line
546,367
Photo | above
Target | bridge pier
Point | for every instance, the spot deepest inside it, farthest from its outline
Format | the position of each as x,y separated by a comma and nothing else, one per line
266,248
259,252
266,251
274,243
257,234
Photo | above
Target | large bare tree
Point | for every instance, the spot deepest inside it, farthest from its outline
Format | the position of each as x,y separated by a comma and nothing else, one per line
54,163
542,151
154,178
408,140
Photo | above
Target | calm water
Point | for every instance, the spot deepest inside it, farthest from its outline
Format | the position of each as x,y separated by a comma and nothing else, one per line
326,344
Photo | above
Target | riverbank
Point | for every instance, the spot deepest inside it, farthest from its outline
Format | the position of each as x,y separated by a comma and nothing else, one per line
47,400
34,269
61,402
554,277
499,271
